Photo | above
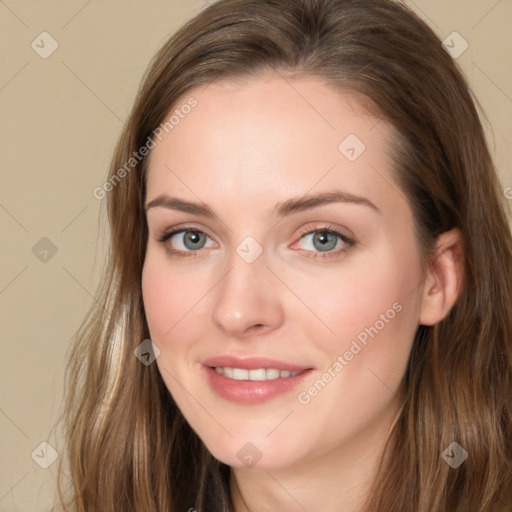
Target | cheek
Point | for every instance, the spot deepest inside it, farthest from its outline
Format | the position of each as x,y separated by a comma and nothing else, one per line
360,294
175,313
168,293
167,300
378,299
159,304
372,313
374,317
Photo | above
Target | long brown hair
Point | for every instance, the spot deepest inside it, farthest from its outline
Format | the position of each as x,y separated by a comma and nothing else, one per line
129,447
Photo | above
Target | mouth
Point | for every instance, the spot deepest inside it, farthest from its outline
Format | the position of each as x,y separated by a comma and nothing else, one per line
259,374
252,380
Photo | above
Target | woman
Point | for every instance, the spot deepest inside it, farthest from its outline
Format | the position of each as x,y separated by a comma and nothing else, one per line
307,225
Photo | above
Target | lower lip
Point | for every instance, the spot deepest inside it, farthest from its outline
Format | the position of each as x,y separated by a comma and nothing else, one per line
252,391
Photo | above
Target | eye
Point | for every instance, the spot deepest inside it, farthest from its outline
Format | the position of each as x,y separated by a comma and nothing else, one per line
325,242
184,241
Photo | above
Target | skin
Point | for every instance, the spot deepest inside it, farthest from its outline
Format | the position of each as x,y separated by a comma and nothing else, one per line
246,147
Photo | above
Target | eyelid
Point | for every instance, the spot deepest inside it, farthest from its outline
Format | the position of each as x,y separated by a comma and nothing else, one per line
308,228
166,234
311,228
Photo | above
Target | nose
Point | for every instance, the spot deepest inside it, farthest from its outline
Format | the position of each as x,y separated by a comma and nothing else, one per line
247,300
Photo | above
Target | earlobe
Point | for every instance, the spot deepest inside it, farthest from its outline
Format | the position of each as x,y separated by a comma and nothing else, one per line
443,282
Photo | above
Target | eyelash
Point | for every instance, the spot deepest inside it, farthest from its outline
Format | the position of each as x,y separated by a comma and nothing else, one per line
350,243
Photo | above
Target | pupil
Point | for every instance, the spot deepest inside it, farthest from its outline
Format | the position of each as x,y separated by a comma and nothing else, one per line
323,238
193,237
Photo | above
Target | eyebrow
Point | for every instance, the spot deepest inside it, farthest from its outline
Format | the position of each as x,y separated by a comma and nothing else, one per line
282,209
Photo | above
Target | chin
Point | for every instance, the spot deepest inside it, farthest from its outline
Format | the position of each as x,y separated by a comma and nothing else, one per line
259,454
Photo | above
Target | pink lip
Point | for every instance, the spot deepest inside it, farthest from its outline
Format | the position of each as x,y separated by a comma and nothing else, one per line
247,391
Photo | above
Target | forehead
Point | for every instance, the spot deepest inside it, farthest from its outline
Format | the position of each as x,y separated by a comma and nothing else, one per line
266,135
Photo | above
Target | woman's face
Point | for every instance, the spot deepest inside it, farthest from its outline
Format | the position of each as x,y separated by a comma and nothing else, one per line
263,175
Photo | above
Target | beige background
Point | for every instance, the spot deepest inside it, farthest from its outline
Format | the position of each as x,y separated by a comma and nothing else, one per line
60,118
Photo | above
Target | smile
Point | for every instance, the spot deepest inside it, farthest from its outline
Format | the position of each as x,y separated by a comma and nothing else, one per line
258,374
253,386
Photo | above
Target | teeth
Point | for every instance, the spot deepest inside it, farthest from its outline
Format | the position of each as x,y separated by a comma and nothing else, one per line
240,374
272,373
259,374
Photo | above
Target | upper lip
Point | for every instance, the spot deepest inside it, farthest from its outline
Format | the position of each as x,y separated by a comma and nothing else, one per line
252,363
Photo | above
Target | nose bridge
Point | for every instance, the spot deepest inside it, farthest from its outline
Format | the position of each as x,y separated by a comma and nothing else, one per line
247,295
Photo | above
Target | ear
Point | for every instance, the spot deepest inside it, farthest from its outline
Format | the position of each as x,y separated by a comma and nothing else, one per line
443,283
